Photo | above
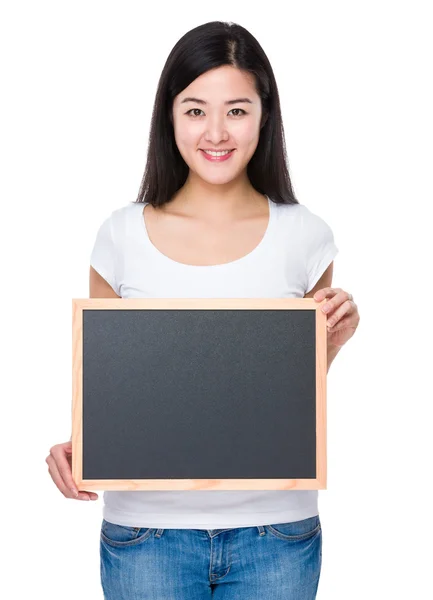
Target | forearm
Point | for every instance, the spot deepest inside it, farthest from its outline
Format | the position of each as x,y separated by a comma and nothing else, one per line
332,353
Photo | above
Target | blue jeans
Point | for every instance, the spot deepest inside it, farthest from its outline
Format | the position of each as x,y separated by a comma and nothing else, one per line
267,562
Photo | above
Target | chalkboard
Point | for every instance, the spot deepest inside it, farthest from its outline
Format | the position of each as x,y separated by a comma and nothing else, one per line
194,394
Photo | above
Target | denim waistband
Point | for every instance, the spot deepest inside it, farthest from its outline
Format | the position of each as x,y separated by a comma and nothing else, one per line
214,532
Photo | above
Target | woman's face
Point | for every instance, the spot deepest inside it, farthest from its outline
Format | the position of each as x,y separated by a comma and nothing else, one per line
213,122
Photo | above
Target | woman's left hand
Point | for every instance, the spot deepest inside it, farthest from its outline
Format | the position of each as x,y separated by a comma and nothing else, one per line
342,313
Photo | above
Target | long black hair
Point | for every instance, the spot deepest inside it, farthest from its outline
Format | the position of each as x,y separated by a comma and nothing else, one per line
203,48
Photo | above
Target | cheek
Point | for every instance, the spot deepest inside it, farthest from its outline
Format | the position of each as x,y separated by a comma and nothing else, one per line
181,135
251,134
245,136
187,139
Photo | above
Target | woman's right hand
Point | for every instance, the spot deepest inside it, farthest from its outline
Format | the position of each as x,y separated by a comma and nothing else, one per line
59,466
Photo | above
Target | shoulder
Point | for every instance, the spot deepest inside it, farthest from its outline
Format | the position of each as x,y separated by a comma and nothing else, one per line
119,218
286,212
304,218
126,210
310,229
299,211
313,223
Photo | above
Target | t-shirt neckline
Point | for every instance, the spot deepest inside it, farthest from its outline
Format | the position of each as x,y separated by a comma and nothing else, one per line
169,261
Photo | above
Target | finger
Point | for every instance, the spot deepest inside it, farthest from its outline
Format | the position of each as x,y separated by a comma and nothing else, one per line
338,315
341,297
82,495
57,478
59,454
346,323
93,495
325,293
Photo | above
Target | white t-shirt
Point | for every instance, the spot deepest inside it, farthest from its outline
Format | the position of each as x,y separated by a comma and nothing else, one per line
295,251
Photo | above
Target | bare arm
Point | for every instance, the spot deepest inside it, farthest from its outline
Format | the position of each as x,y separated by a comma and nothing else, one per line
98,287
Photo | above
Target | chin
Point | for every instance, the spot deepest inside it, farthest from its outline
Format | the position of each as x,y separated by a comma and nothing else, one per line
216,179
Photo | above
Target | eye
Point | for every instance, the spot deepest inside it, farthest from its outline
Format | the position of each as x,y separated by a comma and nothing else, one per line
199,109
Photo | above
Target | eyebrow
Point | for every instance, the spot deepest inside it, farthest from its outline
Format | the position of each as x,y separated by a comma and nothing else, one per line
235,101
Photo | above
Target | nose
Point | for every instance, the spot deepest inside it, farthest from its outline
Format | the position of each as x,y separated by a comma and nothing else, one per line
216,131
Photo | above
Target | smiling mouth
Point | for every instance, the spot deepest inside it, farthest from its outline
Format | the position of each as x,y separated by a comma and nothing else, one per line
217,158
215,152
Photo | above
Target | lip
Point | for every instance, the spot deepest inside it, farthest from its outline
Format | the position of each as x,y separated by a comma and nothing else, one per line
217,158
216,149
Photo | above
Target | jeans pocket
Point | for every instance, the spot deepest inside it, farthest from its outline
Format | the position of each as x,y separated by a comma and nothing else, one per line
123,535
295,530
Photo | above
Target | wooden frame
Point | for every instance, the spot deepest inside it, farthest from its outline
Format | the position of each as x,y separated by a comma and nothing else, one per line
79,305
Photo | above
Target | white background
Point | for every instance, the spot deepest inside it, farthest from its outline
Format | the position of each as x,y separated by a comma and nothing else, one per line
354,78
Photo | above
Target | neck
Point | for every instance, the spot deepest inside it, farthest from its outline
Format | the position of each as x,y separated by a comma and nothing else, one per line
220,201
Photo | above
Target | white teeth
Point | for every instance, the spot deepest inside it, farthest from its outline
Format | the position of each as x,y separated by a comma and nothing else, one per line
217,153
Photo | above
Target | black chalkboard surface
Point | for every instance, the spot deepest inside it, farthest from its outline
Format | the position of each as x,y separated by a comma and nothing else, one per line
218,394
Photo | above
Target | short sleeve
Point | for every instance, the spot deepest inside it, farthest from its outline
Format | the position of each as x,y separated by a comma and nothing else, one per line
320,248
103,255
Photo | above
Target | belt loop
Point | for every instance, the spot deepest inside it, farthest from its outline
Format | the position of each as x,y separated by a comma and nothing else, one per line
261,530
159,533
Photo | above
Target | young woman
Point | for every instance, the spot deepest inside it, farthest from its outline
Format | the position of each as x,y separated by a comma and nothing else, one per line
216,216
